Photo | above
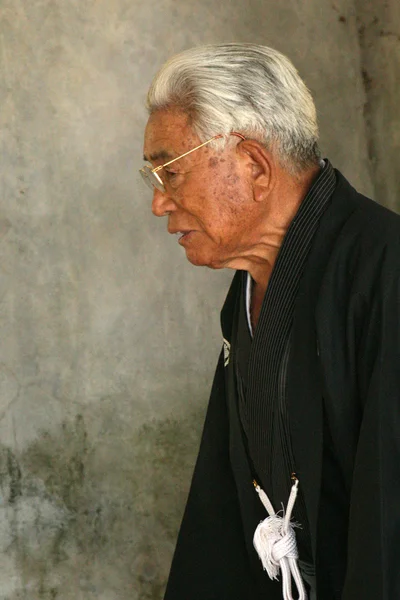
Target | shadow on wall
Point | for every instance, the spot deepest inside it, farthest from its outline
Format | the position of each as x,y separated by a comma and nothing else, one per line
100,517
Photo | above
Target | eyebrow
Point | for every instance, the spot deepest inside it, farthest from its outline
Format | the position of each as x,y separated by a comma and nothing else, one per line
162,154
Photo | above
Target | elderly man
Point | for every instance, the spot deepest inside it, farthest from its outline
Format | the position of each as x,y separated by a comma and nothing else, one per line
305,399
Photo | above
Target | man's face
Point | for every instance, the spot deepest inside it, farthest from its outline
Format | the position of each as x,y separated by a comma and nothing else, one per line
208,193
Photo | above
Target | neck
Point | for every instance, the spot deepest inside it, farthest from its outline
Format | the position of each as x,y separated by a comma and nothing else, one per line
267,238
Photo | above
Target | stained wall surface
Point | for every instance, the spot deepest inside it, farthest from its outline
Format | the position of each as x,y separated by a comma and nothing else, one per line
379,37
108,336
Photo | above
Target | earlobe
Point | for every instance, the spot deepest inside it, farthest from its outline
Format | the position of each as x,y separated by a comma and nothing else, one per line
260,191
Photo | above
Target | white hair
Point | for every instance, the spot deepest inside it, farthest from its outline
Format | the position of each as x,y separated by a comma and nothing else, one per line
247,88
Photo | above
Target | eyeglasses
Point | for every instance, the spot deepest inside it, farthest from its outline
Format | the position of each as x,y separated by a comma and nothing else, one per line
151,177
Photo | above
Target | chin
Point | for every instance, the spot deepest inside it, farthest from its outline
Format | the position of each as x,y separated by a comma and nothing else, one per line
197,261
201,260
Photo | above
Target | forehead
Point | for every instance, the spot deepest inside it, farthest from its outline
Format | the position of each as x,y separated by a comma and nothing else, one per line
167,133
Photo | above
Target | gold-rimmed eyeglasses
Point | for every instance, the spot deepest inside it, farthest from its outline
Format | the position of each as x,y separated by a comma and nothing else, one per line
151,177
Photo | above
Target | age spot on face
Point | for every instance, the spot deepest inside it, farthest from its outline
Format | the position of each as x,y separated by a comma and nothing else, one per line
213,162
233,178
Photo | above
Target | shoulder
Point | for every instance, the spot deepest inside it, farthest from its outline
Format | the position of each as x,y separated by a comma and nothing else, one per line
368,219
369,235
359,241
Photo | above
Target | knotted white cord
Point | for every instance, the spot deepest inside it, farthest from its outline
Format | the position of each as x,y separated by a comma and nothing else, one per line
275,542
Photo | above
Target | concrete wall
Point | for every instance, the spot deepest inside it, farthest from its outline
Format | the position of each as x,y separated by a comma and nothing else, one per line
108,337
378,26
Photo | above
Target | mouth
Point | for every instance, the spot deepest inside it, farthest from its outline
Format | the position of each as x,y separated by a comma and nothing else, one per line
182,234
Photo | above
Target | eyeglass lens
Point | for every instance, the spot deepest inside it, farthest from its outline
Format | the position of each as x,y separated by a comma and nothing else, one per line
151,179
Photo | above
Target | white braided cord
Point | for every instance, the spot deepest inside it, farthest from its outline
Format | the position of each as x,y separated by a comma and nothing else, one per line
275,543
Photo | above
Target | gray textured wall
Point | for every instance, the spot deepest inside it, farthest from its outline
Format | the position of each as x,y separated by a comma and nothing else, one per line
108,337
379,38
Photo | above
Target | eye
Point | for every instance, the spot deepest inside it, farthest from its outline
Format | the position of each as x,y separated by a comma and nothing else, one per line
172,178
171,174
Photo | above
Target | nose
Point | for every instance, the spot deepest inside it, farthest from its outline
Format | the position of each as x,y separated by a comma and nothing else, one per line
162,203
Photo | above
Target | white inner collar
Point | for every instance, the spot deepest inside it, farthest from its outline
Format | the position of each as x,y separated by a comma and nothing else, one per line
249,286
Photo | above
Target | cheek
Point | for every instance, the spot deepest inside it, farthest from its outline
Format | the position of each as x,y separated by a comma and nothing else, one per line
231,198
235,213
221,218
218,203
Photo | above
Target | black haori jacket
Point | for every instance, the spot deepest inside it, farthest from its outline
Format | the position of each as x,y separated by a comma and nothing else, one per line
342,386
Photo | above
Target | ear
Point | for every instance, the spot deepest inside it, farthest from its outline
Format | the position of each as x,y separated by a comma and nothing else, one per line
262,166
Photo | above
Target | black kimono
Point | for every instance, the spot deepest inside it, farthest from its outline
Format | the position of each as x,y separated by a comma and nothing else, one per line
331,383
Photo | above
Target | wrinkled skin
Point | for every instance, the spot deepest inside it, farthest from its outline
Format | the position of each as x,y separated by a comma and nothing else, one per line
236,202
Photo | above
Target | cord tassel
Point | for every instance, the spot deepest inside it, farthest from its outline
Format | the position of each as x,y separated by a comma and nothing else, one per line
275,543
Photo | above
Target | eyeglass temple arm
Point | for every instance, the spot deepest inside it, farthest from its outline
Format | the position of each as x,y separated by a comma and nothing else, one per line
216,137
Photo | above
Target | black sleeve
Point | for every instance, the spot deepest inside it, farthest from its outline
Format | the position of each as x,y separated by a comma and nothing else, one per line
373,568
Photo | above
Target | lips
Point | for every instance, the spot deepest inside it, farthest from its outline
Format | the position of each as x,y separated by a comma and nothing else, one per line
181,233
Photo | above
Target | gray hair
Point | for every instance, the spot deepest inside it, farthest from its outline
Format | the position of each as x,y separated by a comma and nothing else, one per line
247,88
